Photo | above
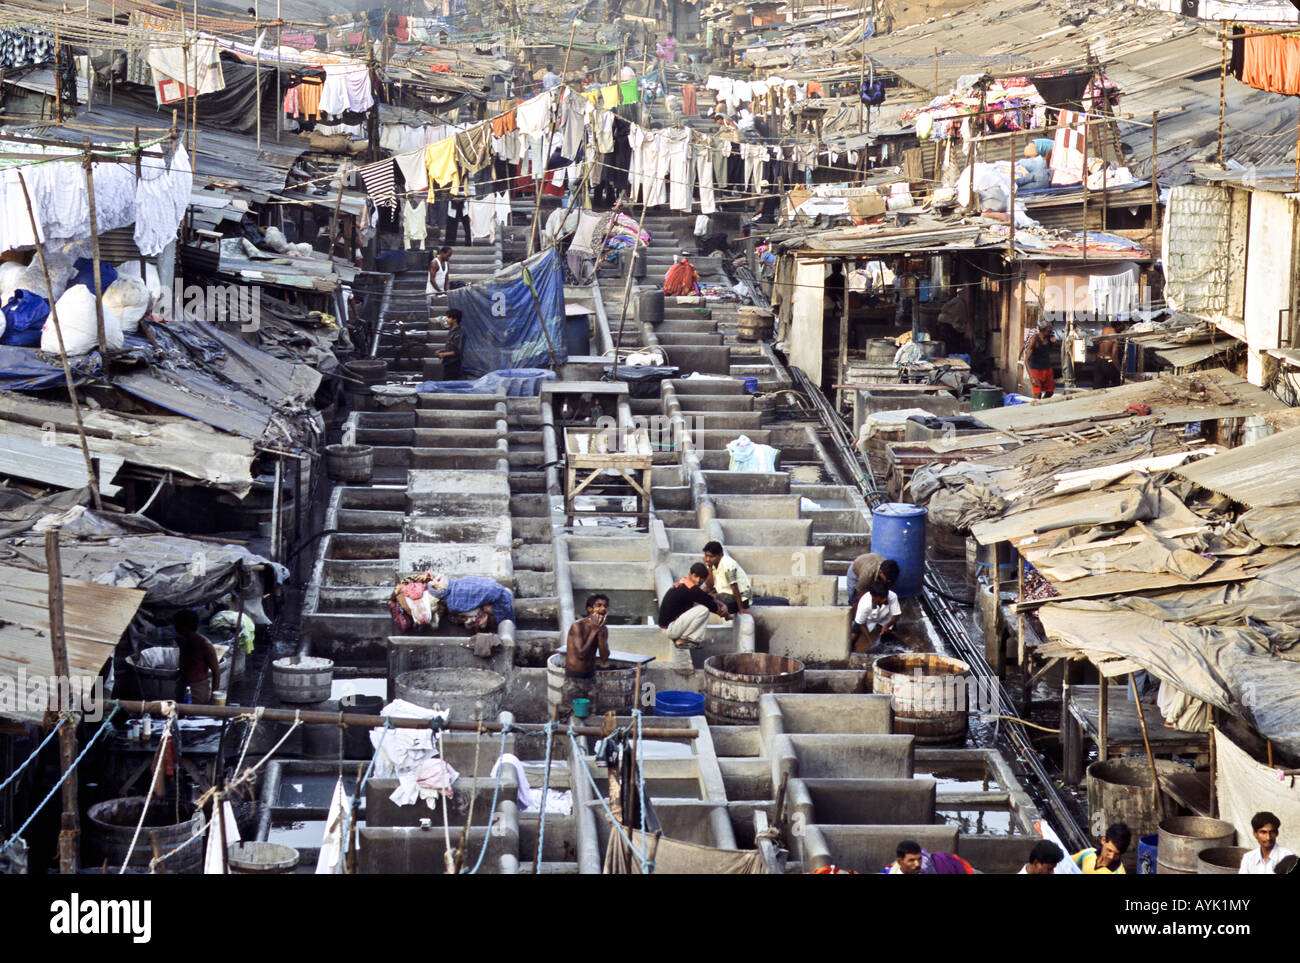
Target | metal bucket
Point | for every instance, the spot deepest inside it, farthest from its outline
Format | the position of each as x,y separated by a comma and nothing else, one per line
349,463
1182,838
1220,860
1119,791
928,694
734,683
302,680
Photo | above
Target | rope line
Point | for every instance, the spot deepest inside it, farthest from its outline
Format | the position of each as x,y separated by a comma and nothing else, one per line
148,796
64,778
35,752
496,791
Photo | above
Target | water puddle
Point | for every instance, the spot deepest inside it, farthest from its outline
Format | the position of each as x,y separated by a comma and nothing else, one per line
980,822
306,834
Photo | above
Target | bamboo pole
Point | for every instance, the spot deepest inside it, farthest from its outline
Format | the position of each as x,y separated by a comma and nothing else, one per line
94,255
92,476
1156,798
314,717
627,286
1223,86
550,136
70,825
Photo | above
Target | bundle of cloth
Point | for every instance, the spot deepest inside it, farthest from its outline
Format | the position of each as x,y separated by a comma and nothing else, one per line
414,601
480,604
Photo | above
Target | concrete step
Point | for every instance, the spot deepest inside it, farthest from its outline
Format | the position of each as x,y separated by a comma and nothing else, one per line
584,548
736,531
756,507
672,497
719,402
747,483
621,576
839,520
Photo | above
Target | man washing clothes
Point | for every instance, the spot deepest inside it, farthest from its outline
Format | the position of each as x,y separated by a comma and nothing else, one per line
587,639
685,609
200,670
453,355
878,612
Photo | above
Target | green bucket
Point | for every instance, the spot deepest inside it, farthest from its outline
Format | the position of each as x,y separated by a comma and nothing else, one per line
982,399
582,708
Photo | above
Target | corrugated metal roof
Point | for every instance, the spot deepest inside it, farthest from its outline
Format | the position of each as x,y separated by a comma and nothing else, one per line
1258,475
1174,399
94,616
1159,61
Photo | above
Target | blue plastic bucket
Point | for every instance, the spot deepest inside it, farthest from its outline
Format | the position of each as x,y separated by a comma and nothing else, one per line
751,385
898,532
676,702
1147,855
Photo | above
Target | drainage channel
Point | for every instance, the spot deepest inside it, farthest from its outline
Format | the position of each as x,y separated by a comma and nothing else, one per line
936,599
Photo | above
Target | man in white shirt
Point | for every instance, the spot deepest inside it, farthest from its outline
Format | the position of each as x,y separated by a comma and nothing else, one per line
1042,859
727,580
550,79
1263,861
878,613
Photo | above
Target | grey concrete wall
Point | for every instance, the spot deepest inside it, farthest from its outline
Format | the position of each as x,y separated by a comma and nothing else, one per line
804,713
863,802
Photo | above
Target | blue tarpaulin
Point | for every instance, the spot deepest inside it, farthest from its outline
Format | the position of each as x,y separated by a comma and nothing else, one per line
516,383
503,328
24,369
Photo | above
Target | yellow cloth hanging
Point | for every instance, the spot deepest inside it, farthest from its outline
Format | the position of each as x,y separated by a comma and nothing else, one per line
609,96
440,161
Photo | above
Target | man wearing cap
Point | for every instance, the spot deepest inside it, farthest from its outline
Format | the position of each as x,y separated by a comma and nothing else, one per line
1038,358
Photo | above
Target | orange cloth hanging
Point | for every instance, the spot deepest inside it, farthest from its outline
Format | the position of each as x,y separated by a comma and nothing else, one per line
1271,62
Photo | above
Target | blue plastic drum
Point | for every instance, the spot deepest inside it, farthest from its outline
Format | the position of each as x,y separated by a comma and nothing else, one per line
898,532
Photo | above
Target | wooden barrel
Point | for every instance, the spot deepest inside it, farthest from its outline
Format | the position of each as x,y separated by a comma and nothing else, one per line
113,823
1182,838
456,690
252,858
349,463
302,680
1220,860
612,690
929,695
753,324
881,350
733,684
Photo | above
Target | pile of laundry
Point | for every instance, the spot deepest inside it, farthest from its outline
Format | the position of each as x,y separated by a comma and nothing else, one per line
411,756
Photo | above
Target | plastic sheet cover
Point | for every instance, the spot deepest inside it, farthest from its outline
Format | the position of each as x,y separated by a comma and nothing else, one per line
506,326
1230,667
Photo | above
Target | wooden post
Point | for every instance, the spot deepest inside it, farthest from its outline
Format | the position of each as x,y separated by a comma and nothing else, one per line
94,254
1087,142
338,202
92,476
219,814
279,96
58,82
70,827
1214,769
257,73
1223,89
1011,212
1103,719
1155,188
